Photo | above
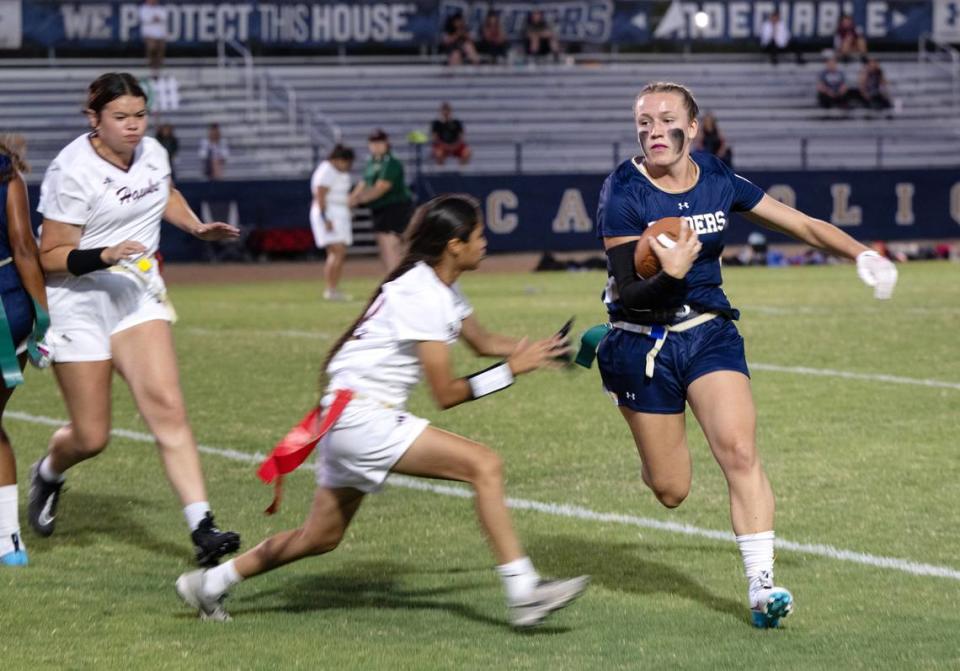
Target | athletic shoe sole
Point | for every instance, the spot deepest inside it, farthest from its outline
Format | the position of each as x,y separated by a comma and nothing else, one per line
779,605
188,588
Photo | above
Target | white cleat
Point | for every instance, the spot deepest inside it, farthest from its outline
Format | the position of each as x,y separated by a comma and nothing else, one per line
768,603
546,597
190,589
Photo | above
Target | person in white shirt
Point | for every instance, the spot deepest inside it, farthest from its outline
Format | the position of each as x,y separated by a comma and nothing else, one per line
330,218
409,325
775,39
102,200
214,153
153,30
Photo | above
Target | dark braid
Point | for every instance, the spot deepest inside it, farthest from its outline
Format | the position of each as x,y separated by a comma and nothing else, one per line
11,157
432,226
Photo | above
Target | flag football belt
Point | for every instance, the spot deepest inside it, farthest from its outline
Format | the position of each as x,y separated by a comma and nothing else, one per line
9,364
658,332
294,448
145,271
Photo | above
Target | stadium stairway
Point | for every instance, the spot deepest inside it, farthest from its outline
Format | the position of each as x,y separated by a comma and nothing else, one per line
543,118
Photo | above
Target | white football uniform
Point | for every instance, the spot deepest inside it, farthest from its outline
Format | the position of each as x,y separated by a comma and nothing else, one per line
110,205
380,364
337,212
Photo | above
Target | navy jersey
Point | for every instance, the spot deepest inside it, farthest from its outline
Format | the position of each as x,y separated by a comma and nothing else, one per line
16,301
629,202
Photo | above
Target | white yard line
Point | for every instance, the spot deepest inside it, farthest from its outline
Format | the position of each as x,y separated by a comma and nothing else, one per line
848,375
572,511
799,370
285,333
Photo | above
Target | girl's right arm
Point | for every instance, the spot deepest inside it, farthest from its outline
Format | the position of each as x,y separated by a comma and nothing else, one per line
449,391
58,240
22,242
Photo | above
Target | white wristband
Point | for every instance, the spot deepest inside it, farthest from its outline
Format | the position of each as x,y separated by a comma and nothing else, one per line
490,380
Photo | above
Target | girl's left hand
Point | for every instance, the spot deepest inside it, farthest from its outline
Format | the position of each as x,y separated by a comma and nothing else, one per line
217,231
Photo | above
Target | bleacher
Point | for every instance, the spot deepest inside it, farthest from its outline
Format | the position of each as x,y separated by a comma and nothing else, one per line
543,118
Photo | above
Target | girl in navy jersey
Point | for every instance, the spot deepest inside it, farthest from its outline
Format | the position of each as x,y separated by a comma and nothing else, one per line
408,326
102,200
673,339
24,309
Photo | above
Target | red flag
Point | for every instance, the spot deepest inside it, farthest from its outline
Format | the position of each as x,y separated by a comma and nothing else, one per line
296,446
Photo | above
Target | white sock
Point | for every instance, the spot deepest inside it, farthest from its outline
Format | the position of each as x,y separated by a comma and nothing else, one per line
9,520
757,552
219,579
519,578
47,472
195,512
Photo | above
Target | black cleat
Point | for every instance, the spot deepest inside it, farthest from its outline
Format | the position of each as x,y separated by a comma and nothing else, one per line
43,499
210,543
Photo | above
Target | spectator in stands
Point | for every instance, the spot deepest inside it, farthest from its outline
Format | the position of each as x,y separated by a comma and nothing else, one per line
539,35
848,41
448,137
775,39
153,30
493,40
832,88
456,42
214,153
330,216
169,141
873,86
384,190
712,141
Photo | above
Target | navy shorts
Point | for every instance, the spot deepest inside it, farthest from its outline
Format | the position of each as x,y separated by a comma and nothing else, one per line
687,355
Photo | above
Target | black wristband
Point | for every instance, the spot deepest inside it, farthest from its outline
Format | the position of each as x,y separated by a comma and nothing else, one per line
83,261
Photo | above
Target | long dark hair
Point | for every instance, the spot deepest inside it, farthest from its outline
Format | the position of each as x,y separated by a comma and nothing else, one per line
11,157
433,225
340,151
108,87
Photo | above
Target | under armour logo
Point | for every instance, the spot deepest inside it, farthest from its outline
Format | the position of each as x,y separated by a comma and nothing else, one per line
629,394
108,181
683,205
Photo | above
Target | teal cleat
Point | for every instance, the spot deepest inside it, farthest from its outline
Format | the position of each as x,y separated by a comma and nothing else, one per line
15,558
775,603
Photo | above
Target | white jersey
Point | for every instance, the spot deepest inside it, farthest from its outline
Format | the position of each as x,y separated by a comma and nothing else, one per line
337,183
380,360
82,188
153,22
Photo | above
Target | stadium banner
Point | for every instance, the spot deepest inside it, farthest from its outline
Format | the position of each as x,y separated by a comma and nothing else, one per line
557,212
287,24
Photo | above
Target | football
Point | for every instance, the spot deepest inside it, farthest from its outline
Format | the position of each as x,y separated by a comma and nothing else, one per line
666,231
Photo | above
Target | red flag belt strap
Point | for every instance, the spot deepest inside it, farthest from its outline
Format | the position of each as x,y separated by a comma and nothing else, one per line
294,448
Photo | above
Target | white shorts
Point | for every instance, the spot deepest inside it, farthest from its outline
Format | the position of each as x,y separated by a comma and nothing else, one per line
364,444
339,217
85,311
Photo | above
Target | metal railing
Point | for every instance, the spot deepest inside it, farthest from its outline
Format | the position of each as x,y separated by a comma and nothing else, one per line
759,152
265,91
226,62
944,58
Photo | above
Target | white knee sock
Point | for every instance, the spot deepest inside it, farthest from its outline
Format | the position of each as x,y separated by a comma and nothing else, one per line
219,579
757,552
9,520
47,472
519,578
195,512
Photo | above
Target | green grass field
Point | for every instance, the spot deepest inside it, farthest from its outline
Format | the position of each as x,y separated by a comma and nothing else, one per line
861,464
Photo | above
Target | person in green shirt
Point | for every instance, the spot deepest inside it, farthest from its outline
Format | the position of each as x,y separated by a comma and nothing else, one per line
384,190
